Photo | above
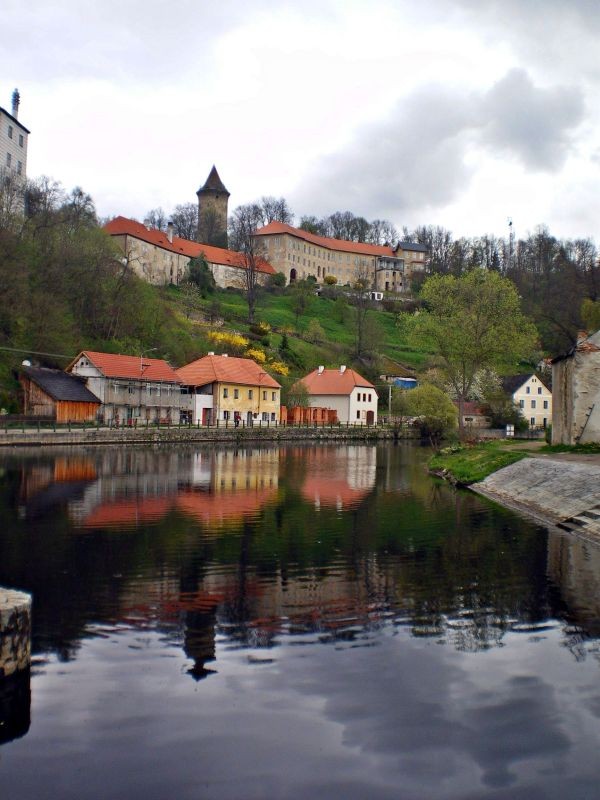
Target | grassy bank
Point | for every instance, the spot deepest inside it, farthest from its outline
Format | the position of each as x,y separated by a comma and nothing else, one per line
468,464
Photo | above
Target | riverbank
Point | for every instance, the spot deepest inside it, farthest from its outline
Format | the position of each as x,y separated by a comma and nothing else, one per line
128,436
465,465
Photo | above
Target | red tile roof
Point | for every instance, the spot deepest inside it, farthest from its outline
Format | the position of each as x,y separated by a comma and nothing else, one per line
133,367
224,369
361,248
334,382
121,226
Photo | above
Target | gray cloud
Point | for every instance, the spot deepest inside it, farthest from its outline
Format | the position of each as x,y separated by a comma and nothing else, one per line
417,157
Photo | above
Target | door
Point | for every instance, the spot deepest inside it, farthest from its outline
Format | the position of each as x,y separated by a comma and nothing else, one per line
206,416
370,417
249,419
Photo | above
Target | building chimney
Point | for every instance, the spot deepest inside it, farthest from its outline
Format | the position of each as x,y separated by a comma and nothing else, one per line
170,231
211,352
342,369
321,369
225,355
16,99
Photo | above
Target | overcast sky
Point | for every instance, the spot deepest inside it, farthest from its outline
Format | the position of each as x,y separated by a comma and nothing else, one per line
453,112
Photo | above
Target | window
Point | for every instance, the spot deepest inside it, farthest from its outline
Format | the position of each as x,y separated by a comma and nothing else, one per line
369,398
272,416
528,390
265,416
545,404
226,392
131,388
264,395
19,167
250,394
8,159
226,415
533,403
236,394
20,140
358,415
521,403
273,396
10,131
539,389
532,422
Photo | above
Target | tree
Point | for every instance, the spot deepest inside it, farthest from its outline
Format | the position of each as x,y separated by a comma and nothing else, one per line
473,322
330,280
200,275
276,209
315,332
242,224
302,295
361,300
185,221
435,411
590,314
156,218
276,283
296,395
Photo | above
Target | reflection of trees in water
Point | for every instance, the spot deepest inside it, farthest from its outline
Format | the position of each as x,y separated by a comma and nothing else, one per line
406,551
15,707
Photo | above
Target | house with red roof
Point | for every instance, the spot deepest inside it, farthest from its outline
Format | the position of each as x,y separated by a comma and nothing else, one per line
132,389
230,390
160,257
298,254
345,391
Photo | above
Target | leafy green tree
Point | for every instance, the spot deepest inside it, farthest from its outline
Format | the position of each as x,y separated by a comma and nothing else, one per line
590,314
315,332
473,322
435,411
295,394
200,275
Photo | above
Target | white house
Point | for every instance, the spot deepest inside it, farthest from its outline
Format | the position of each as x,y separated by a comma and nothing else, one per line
353,397
533,398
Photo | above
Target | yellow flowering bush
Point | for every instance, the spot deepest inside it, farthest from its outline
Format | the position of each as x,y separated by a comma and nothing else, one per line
232,341
279,367
256,355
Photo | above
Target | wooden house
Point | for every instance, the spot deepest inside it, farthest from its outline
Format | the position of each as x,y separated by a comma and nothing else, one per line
55,395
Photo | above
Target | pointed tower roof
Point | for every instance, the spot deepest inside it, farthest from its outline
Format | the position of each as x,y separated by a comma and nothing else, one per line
213,183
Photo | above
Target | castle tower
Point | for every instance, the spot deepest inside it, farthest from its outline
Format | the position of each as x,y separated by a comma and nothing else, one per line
212,211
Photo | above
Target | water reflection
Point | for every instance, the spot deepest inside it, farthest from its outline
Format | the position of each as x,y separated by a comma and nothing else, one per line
15,707
347,571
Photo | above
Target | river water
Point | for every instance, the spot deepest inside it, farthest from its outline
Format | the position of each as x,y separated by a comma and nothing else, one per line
296,622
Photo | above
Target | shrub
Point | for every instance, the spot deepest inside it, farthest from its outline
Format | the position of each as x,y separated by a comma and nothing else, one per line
256,355
330,280
315,332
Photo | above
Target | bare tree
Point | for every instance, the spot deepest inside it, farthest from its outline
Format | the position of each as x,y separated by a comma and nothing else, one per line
243,223
185,220
156,218
276,209
361,300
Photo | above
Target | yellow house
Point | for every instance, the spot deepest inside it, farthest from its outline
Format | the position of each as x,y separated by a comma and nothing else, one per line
231,390
532,397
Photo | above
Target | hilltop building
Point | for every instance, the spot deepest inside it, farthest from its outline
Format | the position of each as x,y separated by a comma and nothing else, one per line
344,391
231,390
13,140
298,254
213,198
160,257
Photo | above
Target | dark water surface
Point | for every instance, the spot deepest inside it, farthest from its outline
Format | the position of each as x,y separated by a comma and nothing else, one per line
302,622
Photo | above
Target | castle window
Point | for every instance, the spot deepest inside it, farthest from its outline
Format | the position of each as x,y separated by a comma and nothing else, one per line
20,140
19,167
10,131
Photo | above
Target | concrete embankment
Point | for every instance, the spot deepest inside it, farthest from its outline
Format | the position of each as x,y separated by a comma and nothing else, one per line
554,491
126,436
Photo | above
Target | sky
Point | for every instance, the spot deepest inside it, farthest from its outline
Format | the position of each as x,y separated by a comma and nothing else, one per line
460,113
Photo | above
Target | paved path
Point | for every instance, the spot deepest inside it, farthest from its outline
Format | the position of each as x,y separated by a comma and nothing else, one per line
560,488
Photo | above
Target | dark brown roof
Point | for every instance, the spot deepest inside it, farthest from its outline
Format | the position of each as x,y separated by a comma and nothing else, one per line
510,383
213,183
60,385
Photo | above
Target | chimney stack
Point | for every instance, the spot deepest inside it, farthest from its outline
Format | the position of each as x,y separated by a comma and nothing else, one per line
321,370
16,99
225,355
342,369
170,231
211,352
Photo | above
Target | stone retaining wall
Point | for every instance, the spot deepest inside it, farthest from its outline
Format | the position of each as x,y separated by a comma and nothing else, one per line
561,493
15,631
126,436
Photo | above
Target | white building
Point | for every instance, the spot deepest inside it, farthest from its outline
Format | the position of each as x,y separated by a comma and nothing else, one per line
532,397
13,141
353,397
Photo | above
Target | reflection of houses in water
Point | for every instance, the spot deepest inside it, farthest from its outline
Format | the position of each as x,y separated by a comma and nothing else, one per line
574,566
339,476
213,486
47,484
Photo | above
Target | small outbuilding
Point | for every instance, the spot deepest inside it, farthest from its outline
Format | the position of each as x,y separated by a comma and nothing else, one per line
56,395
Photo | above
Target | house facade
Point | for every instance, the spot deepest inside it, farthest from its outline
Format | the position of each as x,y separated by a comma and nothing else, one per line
352,397
132,389
298,254
532,397
52,394
13,141
576,387
160,257
230,390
